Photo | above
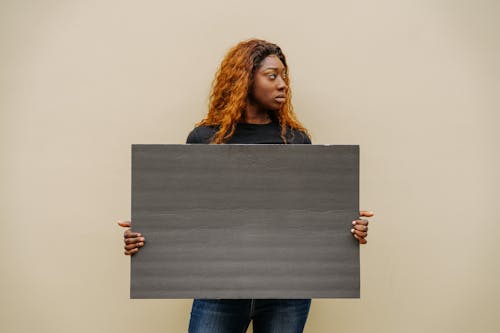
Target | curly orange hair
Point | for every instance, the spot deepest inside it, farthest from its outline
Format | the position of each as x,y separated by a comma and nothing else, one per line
232,84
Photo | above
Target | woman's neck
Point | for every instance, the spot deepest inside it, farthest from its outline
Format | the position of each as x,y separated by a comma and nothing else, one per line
255,115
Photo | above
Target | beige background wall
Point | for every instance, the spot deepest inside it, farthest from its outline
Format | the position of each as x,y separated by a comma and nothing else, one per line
415,83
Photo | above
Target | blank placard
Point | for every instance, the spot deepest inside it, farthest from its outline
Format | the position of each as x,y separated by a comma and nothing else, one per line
245,221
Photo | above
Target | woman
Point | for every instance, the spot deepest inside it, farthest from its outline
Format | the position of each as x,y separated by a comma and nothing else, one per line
250,102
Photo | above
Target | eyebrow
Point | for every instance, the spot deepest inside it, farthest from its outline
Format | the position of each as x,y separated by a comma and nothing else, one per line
274,68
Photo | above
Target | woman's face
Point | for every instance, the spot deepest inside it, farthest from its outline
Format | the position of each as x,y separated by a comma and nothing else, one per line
270,89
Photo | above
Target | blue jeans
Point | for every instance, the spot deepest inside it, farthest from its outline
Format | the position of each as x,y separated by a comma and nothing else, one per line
234,315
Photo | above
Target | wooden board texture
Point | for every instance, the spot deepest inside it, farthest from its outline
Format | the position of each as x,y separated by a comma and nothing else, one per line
245,221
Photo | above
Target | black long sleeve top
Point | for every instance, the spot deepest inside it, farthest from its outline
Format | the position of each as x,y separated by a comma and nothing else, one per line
250,134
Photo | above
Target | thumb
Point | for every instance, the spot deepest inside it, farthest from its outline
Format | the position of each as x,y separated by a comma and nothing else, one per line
366,213
124,223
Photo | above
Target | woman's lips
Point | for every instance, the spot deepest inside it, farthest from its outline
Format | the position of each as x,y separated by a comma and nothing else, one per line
280,99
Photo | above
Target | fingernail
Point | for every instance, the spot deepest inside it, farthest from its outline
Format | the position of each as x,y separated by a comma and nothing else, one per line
353,222
352,230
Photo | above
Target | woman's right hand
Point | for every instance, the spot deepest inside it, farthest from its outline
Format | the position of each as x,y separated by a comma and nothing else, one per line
133,240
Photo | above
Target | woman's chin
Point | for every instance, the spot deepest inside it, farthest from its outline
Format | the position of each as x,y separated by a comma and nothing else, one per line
276,106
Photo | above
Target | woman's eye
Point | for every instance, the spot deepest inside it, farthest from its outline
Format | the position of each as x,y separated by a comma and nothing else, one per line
273,76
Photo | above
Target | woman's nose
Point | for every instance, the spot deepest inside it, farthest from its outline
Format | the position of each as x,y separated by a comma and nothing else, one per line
281,83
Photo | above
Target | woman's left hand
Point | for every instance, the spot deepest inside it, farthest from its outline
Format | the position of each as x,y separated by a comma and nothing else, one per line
360,227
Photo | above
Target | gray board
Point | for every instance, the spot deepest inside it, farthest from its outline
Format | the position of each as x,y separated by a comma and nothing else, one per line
245,221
